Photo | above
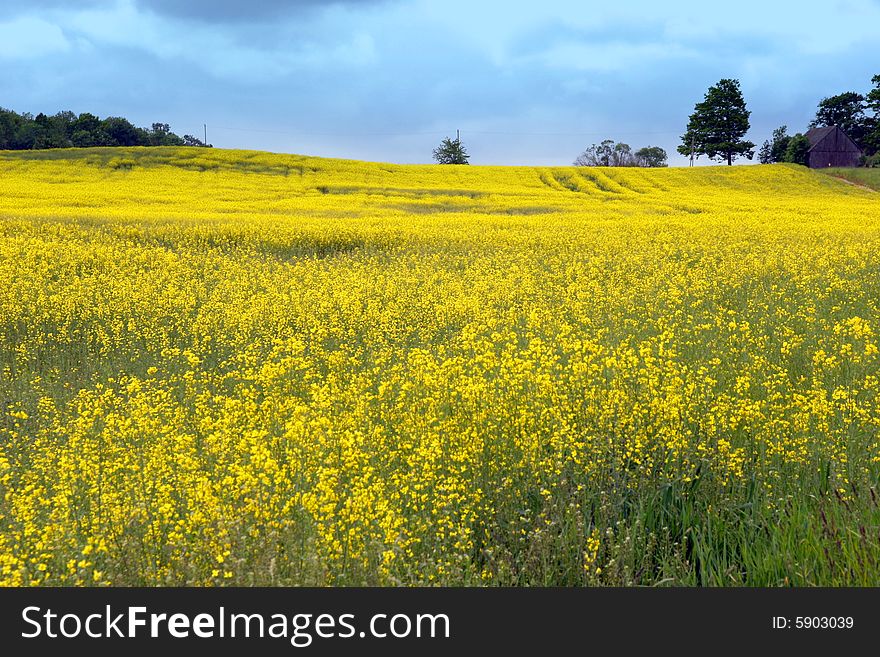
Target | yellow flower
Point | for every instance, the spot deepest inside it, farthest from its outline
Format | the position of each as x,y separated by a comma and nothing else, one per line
290,370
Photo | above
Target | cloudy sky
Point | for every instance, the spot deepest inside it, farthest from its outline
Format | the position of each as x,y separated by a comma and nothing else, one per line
525,82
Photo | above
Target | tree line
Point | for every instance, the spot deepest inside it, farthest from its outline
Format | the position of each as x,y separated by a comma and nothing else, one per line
858,115
69,130
605,154
717,129
719,123
610,154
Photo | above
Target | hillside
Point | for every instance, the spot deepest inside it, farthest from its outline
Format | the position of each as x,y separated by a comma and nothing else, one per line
395,189
865,177
229,367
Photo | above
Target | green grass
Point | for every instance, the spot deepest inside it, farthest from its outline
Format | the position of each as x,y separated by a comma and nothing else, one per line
865,177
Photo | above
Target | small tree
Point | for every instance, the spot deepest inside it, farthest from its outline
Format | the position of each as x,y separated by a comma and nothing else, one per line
798,150
189,140
779,145
451,151
651,156
774,150
597,155
718,125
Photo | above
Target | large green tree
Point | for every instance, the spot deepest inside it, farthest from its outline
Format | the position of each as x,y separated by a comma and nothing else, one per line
872,139
846,110
718,125
87,131
122,132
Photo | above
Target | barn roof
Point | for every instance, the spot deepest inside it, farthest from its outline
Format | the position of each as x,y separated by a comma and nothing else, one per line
815,135
833,137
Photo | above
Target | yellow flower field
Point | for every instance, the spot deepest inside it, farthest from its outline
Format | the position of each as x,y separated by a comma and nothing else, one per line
228,367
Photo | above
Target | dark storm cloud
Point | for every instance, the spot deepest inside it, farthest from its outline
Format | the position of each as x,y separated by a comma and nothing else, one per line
386,79
223,11
206,11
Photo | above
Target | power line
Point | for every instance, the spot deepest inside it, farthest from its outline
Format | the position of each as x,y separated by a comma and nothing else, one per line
573,134
518,133
303,133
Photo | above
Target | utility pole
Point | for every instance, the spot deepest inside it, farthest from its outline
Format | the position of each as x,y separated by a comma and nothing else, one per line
457,135
206,134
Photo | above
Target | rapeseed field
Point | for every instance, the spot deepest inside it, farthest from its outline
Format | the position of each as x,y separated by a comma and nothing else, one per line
239,368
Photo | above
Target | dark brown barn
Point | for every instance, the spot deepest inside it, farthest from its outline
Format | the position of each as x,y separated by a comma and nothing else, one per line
830,147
